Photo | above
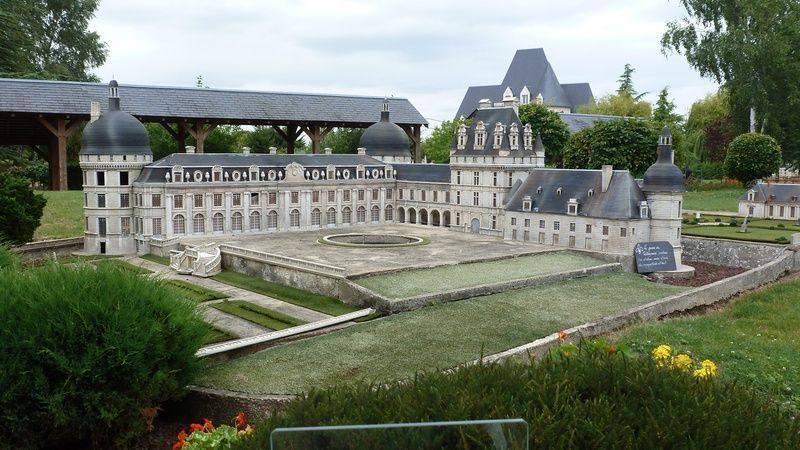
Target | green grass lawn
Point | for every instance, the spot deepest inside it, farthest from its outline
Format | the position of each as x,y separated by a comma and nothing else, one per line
441,336
215,336
754,233
62,217
120,264
194,292
156,259
257,314
726,199
445,278
316,302
755,340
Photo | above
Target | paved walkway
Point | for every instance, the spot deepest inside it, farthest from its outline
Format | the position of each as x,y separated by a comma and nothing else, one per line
225,321
712,213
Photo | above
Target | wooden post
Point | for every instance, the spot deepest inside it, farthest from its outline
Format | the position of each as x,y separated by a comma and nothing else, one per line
290,135
199,131
60,131
414,133
316,134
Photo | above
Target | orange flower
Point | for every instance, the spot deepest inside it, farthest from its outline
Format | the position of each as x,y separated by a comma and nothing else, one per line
196,427
239,419
207,425
611,350
562,336
181,441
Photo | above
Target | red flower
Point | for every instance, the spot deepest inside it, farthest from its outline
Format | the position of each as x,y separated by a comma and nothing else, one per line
611,349
562,336
181,441
239,419
196,427
207,425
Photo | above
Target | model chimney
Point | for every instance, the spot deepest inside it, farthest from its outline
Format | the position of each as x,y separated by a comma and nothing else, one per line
273,150
608,172
362,151
484,103
246,151
190,149
94,111
328,150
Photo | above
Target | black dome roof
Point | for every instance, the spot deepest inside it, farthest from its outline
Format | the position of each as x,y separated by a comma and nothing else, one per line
385,138
663,176
115,132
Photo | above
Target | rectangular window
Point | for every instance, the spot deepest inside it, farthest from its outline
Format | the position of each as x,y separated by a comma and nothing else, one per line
272,198
315,196
177,177
781,211
295,198
458,177
510,179
157,226
424,195
572,227
217,176
217,199
494,178
476,198
494,200
541,238
125,225
375,195
124,200
123,178
401,193
623,232
411,191
155,199
237,200
435,196
555,239
494,222
605,230
346,195
476,178
447,197
513,221
101,200
198,200
101,178
254,198
361,195
588,228
528,223
389,194
458,218
177,201
101,226
331,196
542,224
514,234
85,199
572,241
556,225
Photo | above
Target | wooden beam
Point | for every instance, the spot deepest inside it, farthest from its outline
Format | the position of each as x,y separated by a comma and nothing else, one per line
170,130
316,134
60,131
199,131
413,132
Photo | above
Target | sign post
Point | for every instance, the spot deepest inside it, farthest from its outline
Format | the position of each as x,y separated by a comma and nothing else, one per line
655,256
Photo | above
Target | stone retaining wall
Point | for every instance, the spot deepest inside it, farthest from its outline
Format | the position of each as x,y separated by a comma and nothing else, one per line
307,280
38,250
726,252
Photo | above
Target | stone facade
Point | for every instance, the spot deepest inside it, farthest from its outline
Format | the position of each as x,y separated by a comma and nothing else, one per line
771,201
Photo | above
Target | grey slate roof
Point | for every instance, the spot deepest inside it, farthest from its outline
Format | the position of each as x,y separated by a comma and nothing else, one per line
490,117
431,173
530,68
783,193
620,201
73,98
156,171
576,122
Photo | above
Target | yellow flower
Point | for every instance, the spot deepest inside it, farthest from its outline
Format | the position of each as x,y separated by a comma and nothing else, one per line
682,362
707,370
661,354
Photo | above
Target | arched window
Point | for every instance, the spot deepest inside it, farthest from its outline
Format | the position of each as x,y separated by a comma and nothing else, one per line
347,215
272,220
199,224
330,219
376,213
179,224
316,217
388,213
218,222
236,221
294,218
361,214
255,221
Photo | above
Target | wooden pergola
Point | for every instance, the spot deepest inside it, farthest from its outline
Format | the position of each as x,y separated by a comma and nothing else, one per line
46,113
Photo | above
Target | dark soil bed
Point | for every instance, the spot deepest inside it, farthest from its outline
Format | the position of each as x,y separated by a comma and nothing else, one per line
704,273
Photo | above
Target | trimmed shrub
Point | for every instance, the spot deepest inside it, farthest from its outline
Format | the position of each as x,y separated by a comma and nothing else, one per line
752,156
579,399
84,351
20,208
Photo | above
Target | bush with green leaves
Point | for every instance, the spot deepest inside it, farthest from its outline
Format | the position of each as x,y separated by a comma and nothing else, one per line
8,259
624,143
549,125
588,397
752,156
20,208
83,351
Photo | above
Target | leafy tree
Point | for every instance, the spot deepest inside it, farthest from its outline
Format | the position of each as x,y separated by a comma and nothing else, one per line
224,139
624,143
20,208
437,145
748,46
664,113
752,156
554,131
626,102
263,137
53,40
343,140
626,83
710,127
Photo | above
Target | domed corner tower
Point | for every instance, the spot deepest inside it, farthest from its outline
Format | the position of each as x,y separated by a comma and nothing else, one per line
663,188
114,150
385,140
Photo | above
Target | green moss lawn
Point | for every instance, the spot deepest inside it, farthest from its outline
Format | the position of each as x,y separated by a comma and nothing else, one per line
445,278
62,217
755,340
726,199
441,336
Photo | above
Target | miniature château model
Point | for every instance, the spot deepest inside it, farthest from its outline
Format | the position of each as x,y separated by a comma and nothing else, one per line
771,201
495,184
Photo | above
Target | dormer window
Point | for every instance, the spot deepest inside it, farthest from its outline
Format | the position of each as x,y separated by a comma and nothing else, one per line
644,210
461,141
539,190
794,198
480,136
498,135
590,193
508,94
216,173
526,203
513,137
572,207
751,196
539,98
558,191
525,96
177,174
253,173
527,137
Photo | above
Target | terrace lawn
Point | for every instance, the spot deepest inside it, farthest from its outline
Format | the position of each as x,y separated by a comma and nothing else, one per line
726,199
441,336
753,233
754,340
446,278
62,217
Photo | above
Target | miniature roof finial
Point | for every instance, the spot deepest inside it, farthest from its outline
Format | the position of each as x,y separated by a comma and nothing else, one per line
113,95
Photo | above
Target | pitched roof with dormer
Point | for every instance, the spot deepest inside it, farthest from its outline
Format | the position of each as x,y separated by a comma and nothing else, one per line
489,118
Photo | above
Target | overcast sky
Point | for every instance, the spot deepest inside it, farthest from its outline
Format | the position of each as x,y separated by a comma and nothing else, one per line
427,51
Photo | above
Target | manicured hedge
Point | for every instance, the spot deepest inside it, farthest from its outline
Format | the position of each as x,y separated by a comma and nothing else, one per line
83,351
587,400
